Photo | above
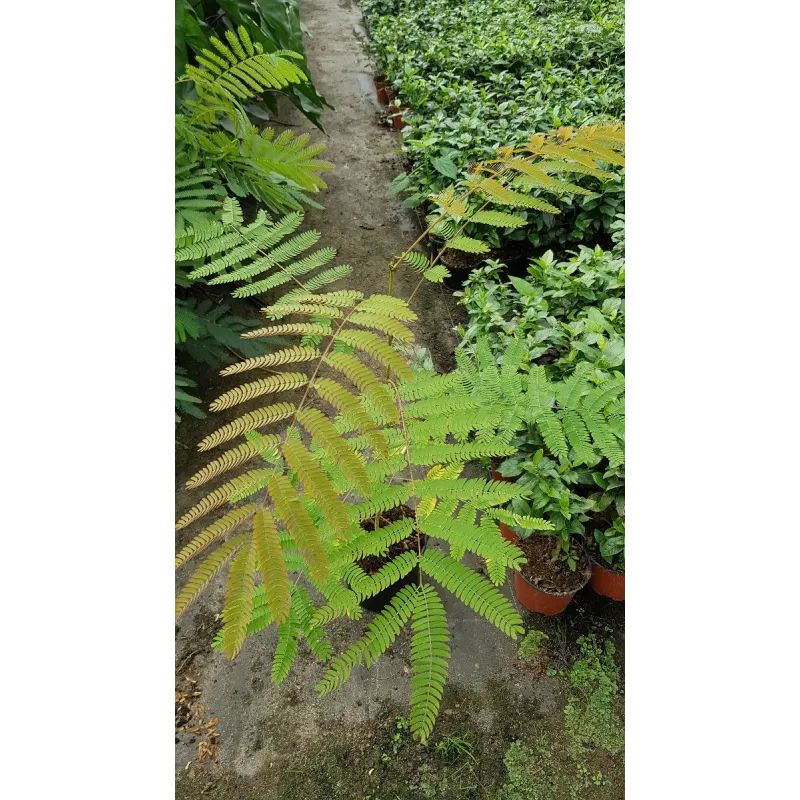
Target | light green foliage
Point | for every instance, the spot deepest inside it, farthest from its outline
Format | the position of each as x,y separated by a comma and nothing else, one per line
568,319
530,773
590,716
274,26
220,153
354,468
462,216
531,644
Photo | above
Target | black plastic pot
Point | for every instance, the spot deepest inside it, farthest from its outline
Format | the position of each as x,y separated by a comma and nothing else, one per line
455,281
379,601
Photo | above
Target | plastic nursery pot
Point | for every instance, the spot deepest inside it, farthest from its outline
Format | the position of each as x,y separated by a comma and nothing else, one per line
455,280
382,89
607,583
496,476
398,123
508,533
540,601
379,601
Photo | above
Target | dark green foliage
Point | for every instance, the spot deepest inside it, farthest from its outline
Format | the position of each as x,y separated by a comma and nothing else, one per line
212,335
185,403
273,24
485,74
566,312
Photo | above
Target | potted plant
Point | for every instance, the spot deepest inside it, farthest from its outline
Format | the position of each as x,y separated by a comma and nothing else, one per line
608,569
605,537
396,115
564,432
383,89
557,565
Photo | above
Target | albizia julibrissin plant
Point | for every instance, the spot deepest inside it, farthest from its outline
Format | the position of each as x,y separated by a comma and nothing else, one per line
298,522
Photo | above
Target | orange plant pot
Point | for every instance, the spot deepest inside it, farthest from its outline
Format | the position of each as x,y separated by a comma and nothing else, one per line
608,583
383,90
541,602
496,476
398,123
508,533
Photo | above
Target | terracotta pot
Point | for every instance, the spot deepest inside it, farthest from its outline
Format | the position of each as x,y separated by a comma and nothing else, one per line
539,601
382,88
398,123
496,476
608,583
508,533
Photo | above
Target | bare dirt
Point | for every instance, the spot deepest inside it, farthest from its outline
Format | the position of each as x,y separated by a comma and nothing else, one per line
280,742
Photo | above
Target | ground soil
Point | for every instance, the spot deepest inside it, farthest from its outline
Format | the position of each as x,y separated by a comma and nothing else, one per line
549,574
237,735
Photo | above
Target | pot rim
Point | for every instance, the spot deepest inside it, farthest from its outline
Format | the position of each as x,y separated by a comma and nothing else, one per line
562,594
596,563
552,594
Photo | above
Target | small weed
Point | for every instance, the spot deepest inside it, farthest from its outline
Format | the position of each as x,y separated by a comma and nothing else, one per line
531,645
588,779
400,739
530,773
452,748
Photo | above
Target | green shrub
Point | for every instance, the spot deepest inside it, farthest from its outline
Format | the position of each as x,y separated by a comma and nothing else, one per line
566,312
487,73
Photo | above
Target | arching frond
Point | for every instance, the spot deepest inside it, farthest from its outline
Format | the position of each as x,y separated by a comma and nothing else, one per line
206,572
248,422
473,590
430,654
220,496
233,458
283,382
288,355
271,563
214,532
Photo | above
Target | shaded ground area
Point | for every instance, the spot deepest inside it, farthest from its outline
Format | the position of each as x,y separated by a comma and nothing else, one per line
242,737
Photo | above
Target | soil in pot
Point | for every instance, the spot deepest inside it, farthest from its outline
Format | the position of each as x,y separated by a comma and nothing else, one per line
548,575
371,564
459,263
